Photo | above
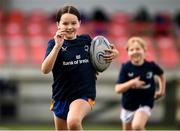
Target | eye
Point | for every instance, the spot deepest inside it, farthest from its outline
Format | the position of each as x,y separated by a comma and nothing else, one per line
131,49
74,23
65,23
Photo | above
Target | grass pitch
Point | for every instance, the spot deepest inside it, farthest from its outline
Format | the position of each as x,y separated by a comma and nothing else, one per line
10,127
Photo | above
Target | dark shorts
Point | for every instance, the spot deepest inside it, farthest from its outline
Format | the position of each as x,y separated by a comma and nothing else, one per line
61,108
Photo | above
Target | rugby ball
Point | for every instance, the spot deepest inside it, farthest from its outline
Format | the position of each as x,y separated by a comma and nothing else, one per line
97,50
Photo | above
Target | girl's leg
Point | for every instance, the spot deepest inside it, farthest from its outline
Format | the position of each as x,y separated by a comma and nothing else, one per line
126,117
60,124
126,126
140,120
77,111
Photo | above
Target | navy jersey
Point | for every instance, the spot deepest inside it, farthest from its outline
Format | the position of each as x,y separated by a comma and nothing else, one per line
133,98
73,73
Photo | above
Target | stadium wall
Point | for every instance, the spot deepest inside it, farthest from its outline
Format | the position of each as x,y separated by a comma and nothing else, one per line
109,5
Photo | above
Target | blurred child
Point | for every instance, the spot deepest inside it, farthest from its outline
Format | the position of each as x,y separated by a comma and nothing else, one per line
137,85
73,89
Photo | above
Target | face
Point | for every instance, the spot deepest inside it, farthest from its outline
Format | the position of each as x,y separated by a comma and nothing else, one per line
70,24
136,53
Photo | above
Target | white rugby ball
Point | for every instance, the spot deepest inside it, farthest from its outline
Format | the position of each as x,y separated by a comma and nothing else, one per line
97,49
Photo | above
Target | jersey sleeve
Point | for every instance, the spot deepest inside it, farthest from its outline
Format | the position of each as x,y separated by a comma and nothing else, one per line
88,37
122,74
50,46
157,69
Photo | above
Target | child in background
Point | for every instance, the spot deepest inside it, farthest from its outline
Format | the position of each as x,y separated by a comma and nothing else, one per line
137,85
73,89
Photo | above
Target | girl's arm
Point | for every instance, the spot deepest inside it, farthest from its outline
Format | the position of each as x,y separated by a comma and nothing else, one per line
49,61
162,87
133,83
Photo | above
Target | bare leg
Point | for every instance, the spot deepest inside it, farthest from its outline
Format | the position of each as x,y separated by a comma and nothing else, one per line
140,120
126,126
78,110
60,124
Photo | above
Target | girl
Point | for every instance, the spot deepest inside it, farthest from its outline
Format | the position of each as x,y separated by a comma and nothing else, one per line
67,56
137,85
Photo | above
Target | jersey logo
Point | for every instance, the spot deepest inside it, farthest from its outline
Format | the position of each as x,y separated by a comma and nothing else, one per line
130,74
64,48
78,57
149,75
86,48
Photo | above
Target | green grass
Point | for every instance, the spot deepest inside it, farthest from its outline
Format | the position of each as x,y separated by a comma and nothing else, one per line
118,127
26,127
86,127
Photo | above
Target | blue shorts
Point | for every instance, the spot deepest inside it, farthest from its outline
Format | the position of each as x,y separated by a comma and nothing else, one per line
61,108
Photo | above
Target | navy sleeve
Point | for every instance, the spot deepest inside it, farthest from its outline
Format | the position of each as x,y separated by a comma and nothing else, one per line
157,69
87,38
51,44
122,75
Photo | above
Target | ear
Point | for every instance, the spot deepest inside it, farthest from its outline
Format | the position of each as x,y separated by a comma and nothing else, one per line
145,49
79,23
57,24
145,52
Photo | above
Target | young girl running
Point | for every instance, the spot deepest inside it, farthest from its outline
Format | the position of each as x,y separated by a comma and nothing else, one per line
137,85
67,56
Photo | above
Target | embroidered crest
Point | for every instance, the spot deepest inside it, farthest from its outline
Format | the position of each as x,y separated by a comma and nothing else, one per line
149,75
86,48
78,57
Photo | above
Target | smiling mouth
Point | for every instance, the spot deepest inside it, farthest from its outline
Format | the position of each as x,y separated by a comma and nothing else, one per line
69,31
136,56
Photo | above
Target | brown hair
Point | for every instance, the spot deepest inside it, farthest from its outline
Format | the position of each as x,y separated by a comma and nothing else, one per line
139,40
67,9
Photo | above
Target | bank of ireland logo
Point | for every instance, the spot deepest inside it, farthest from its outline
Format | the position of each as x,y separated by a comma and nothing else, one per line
78,57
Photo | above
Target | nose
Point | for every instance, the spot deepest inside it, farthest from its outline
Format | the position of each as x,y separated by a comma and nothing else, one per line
69,26
134,51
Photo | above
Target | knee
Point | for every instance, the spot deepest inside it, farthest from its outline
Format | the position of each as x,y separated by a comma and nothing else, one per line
137,127
73,123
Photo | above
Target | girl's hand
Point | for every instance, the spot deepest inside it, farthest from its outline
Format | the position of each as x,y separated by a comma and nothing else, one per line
137,83
111,53
97,73
158,94
59,38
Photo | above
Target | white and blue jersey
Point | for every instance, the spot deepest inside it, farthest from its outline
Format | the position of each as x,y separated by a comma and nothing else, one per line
134,98
73,73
